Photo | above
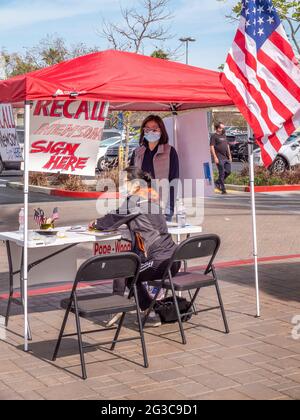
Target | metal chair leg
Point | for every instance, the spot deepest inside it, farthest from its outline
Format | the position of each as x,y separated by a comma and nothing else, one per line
184,342
150,309
193,300
80,343
222,308
113,346
11,283
62,330
141,328
7,316
145,355
11,295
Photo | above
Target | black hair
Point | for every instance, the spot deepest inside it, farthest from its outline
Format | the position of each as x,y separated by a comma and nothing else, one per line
134,173
164,134
218,125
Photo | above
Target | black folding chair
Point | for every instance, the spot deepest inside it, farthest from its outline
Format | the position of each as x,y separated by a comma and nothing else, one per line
197,247
125,265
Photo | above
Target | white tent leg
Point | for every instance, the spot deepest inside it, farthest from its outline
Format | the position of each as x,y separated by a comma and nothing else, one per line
254,224
175,131
26,192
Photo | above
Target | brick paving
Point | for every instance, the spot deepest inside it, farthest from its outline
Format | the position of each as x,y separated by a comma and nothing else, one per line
258,360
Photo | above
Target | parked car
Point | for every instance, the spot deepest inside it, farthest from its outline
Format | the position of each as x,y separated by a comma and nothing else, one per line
104,146
236,142
287,158
110,137
235,131
111,133
112,154
9,166
14,166
243,152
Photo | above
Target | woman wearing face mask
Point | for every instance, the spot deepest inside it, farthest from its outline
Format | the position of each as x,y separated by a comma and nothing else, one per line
149,232
156,157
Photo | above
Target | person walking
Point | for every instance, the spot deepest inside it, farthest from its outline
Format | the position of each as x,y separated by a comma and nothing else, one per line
221,153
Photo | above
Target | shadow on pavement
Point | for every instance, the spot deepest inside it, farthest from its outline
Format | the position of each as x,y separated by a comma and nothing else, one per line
278,280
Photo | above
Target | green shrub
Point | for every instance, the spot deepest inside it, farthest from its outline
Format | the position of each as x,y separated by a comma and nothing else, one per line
263,177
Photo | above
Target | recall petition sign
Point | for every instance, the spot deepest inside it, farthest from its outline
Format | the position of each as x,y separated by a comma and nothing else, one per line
10,150
65,136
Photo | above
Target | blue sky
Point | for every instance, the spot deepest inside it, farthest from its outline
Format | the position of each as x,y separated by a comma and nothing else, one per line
24,22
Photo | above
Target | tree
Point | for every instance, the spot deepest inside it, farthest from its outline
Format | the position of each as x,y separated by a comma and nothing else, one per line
289,11
159,53
142,23
2,67
16,64
49,51
145,22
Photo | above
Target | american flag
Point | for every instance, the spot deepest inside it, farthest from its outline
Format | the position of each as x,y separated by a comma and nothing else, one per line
37,218
55,215
262,76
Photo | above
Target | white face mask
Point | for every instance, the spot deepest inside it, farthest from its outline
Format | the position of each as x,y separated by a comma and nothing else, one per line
152,137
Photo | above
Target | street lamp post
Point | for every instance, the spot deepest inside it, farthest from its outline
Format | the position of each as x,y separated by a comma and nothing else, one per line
187,40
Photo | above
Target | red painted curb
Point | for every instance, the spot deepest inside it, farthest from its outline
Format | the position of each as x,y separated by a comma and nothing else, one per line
275,188
84,194
240,263
260,260
68,287
53,290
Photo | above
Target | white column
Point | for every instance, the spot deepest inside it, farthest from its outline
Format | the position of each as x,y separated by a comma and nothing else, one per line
254,223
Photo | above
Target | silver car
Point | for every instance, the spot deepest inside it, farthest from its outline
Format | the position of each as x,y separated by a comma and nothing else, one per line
287,158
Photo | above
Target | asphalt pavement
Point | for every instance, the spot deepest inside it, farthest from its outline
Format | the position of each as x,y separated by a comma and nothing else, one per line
10,196
279,203
278,218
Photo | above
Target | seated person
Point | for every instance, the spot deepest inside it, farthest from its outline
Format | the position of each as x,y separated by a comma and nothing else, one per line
146,222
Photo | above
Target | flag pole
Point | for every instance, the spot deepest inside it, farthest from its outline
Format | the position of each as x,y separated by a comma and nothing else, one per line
254,221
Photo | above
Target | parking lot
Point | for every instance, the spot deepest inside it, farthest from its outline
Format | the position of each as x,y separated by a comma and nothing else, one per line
260,359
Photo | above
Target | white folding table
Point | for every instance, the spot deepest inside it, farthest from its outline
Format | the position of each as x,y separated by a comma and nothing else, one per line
186,231
61,255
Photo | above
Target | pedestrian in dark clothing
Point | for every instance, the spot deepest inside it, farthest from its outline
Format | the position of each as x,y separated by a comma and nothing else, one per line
221,153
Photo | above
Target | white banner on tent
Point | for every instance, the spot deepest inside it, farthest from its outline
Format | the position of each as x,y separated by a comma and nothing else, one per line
65,136
10,150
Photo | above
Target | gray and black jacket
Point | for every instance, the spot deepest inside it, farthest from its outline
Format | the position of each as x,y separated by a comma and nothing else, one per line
147,226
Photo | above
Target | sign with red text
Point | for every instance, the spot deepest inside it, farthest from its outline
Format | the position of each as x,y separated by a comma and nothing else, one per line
65,136
10,150
111,247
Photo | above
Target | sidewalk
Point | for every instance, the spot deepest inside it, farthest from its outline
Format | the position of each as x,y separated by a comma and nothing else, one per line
258,360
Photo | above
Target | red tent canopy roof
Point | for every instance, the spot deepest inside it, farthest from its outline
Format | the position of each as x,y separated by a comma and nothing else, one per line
128,81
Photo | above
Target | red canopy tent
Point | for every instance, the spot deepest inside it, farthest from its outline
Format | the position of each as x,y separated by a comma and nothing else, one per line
128,81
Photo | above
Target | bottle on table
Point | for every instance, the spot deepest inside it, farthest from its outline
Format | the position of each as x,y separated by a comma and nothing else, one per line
181,214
